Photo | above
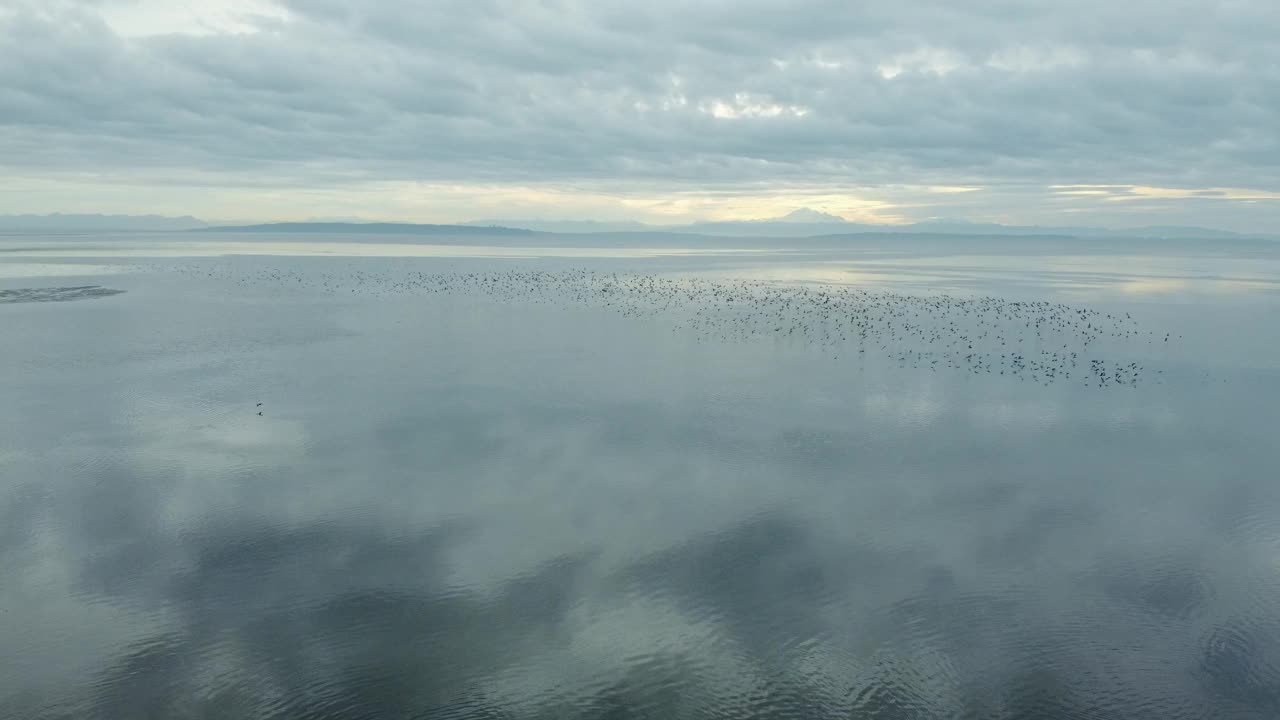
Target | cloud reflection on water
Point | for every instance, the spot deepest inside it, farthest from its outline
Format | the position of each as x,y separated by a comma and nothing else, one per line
536,512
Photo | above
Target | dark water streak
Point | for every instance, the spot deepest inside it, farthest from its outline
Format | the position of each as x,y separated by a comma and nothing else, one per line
56,294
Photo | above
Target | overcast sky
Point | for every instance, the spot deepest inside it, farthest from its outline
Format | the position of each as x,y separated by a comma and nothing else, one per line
1025,111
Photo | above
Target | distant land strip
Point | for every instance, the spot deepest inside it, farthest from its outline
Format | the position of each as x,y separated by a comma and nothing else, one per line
370,228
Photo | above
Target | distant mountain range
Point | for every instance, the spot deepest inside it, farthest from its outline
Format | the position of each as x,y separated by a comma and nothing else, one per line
64,223
803,222
368,228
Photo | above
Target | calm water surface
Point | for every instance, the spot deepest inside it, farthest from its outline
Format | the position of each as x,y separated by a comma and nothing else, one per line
478,494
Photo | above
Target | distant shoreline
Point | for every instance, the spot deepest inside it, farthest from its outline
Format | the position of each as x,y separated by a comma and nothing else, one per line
373,228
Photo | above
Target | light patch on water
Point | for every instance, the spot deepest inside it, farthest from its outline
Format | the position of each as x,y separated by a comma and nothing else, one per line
1245,285
193,447
1129,275
830,273
1006,415
37,270
1150,286
917,409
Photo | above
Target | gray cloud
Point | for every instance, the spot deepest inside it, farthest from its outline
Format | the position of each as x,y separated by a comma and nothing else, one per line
661,95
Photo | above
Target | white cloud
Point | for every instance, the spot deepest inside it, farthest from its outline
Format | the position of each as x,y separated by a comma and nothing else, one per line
924,61
745,105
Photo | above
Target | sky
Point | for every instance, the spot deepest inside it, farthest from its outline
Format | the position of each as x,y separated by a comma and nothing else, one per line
1092,112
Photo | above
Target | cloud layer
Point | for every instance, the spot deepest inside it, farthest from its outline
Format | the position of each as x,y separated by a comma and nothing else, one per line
642,99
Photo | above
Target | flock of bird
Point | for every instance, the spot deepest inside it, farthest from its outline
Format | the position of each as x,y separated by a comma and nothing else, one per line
1038,341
